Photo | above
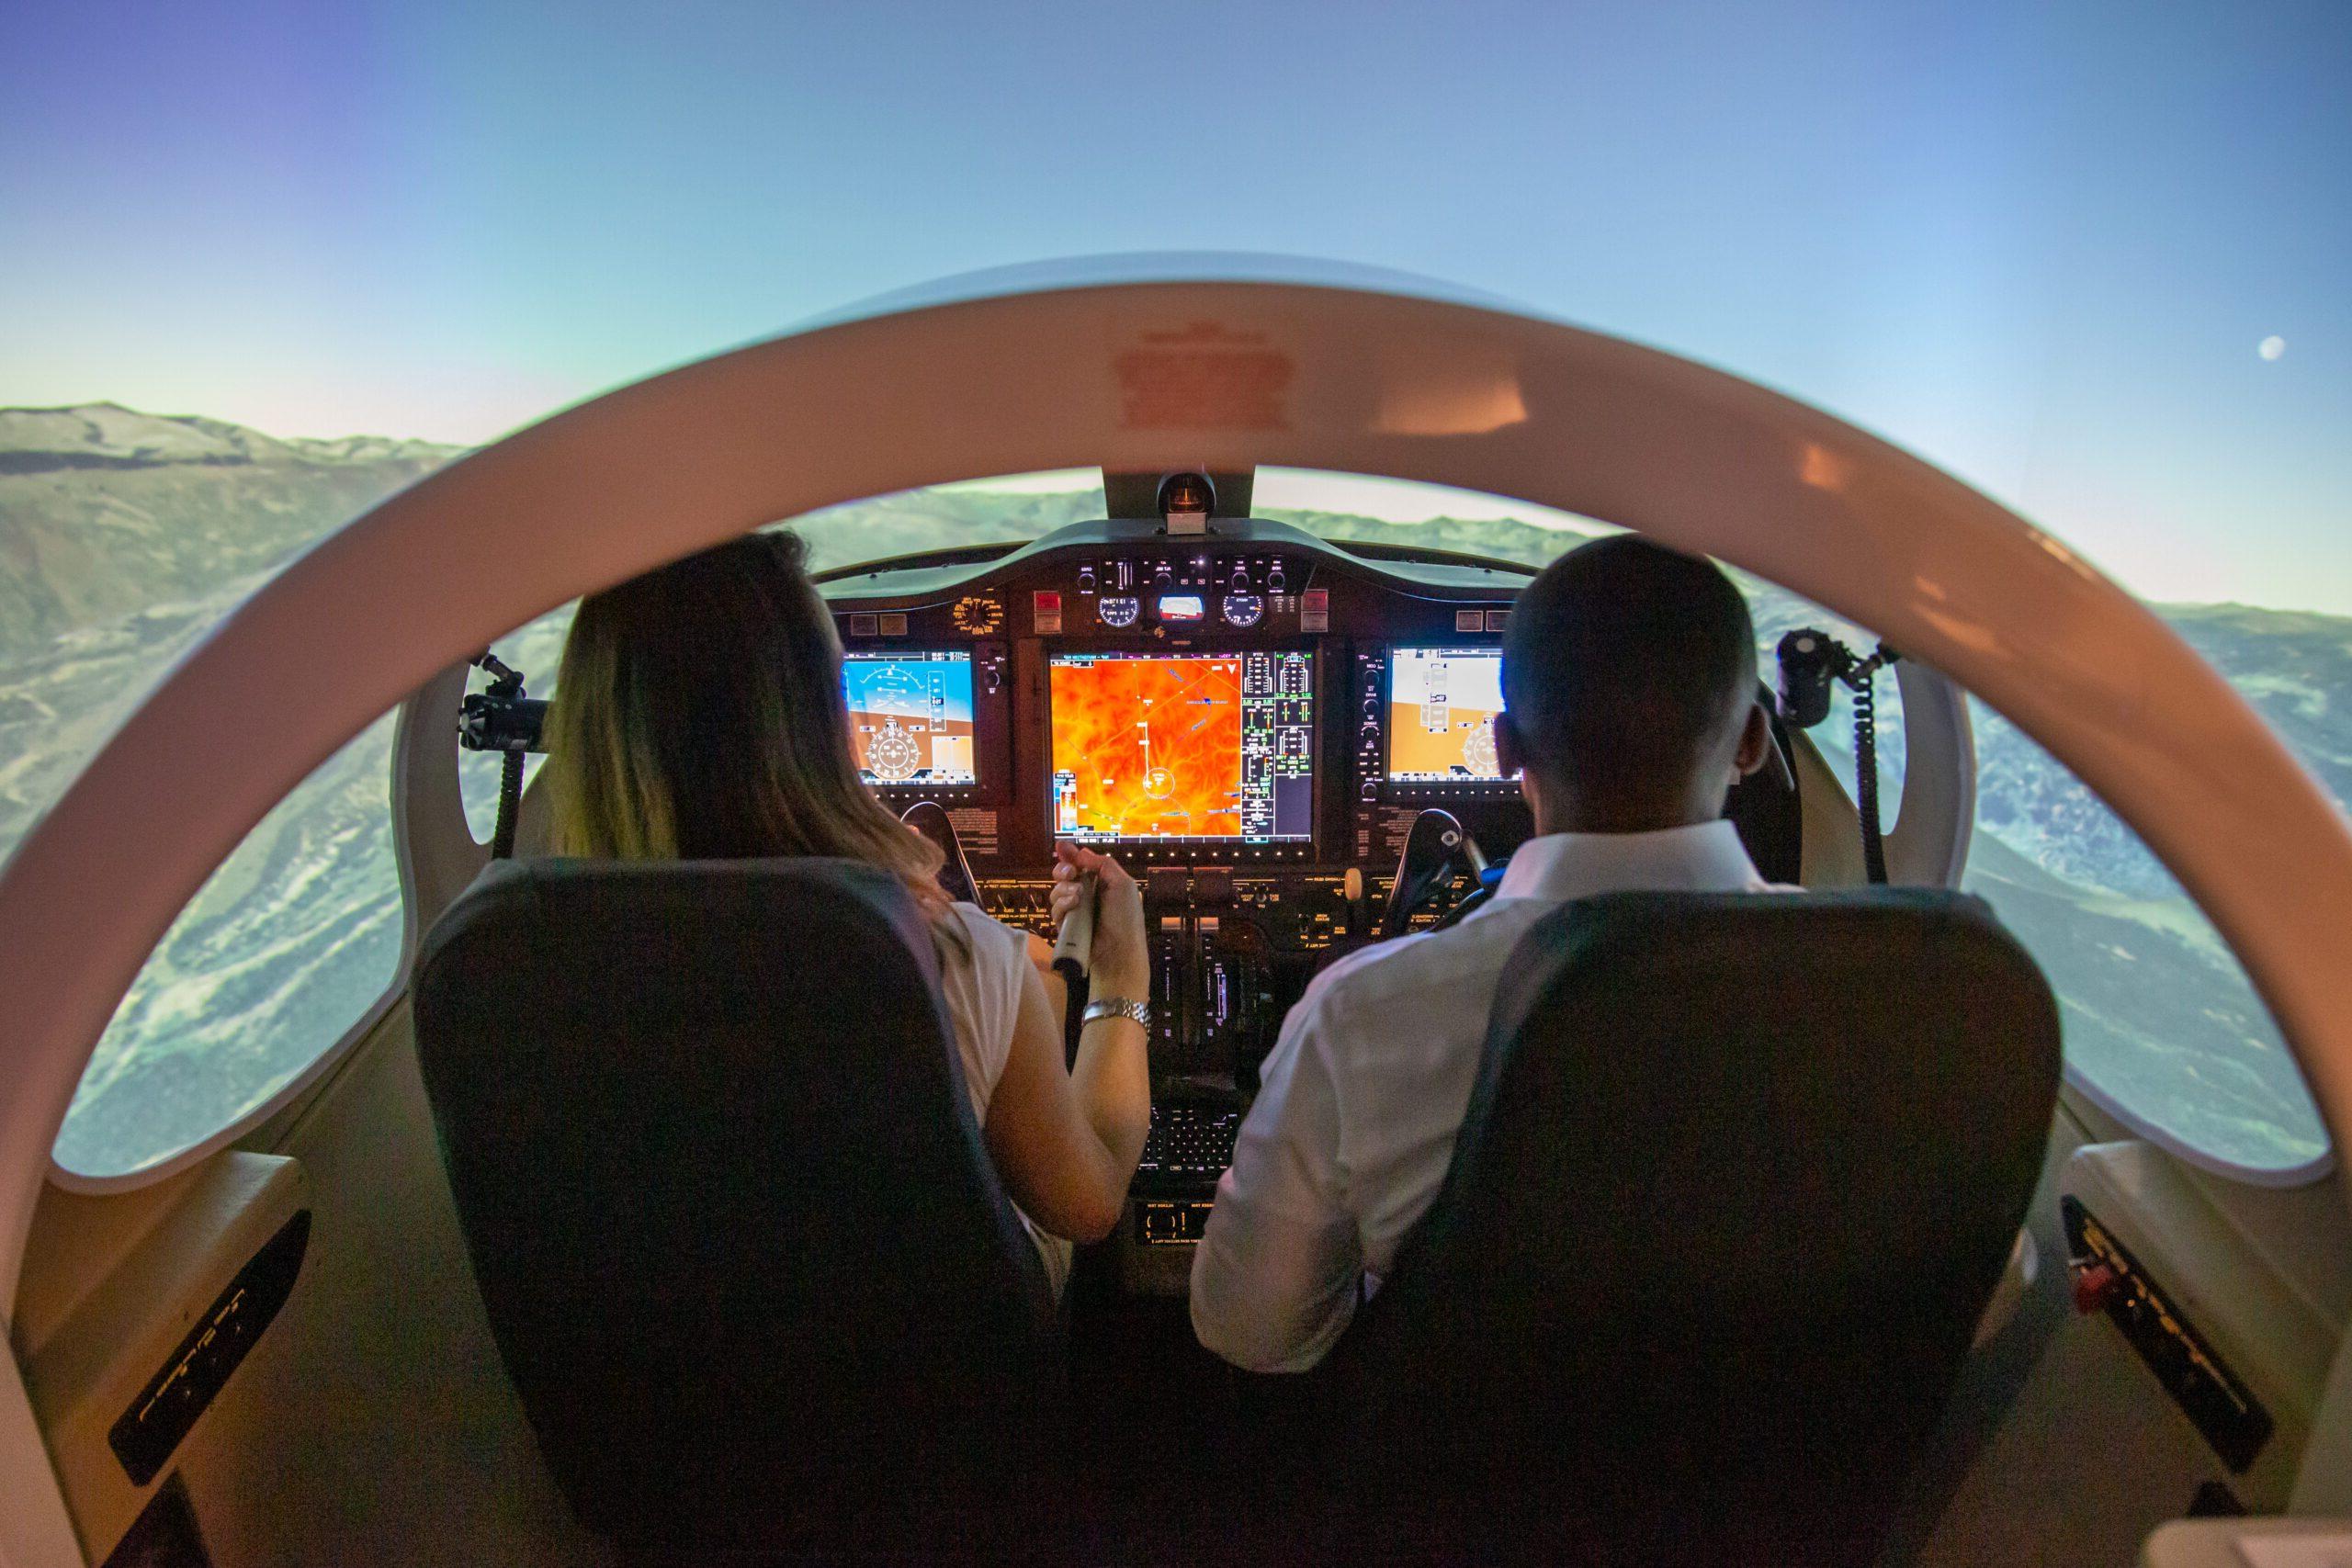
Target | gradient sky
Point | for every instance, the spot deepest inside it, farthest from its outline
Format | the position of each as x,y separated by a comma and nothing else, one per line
2038,243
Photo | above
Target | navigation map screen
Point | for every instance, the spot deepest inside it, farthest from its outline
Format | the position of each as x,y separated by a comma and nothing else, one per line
1192,746
1441,709
910,717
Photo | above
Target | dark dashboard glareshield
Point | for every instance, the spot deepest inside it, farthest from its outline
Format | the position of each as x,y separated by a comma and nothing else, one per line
910,717
1442,702
1216,746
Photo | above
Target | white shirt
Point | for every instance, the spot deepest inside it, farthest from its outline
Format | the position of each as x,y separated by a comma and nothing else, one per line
1364,1092
983,964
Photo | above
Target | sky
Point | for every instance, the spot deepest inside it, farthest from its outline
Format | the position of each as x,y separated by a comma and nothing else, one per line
2040,244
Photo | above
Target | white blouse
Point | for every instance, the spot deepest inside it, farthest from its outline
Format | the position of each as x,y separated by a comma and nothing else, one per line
983,964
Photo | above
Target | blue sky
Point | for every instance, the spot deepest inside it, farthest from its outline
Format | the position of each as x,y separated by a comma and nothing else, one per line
2037,242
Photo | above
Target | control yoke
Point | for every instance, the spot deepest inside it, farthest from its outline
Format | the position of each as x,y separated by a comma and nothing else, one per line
930,819
1436,850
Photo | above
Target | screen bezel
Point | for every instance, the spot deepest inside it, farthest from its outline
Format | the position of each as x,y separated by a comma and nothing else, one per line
1223,843
1388,776
962,655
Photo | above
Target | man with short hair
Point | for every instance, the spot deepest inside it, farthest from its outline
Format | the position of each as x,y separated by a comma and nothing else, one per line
1629,694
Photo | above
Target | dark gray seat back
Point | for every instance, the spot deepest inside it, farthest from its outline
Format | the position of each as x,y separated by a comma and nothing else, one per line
1738,1177
742,1248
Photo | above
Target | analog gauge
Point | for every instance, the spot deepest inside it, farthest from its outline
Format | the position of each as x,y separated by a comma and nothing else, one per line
1118,609
1244,609
976,617
893,754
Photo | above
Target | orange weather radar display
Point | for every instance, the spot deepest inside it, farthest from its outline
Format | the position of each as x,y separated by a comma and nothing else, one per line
1441,709
1198,746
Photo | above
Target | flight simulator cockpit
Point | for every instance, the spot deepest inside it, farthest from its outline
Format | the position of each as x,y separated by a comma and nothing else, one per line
680,1257
1290,742
1255,720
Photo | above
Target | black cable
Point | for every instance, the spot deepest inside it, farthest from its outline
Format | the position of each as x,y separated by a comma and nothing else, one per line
1862,678
1866,778
510,806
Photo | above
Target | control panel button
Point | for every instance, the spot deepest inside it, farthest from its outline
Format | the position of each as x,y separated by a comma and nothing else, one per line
2095,1287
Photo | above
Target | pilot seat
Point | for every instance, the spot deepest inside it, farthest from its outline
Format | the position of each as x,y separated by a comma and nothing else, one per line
1737,1181
743,1252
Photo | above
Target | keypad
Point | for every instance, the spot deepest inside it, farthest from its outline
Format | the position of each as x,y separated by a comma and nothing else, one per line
1191,1140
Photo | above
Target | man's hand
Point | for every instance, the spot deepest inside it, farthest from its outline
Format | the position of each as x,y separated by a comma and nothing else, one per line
1120,967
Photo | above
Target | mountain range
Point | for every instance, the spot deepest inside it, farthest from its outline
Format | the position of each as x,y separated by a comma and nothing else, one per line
123,536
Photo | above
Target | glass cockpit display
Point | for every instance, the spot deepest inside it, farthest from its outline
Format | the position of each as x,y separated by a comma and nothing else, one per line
1442,708
910,717
1184,746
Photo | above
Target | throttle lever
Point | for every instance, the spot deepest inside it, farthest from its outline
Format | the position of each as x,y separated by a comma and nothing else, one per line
1074,947
1073,957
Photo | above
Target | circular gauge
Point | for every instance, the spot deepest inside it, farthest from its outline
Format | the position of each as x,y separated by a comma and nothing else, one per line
976,617
1243,609
894,754
1479,752
1118,610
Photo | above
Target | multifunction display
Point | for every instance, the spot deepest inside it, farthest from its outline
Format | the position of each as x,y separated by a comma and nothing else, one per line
1442,708
910,717
1176,747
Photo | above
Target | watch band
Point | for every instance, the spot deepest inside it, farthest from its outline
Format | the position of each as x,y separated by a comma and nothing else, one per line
1116,1007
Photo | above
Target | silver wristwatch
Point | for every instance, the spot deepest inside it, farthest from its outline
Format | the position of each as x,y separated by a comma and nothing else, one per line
1116,1007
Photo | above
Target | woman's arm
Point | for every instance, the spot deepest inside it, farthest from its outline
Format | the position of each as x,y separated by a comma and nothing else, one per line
1066,1141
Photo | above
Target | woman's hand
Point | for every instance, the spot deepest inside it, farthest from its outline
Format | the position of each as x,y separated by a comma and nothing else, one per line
1119,967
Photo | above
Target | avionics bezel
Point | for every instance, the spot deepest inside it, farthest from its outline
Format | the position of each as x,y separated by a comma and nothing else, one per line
1389,780
971,666
1196,847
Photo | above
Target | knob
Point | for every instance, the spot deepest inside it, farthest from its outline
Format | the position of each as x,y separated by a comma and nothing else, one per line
1275,578
2097,1287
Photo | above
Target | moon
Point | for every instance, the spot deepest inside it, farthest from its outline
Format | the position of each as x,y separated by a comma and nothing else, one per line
2271,347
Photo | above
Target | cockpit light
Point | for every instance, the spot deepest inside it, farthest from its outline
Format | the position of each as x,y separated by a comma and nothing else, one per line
1187,501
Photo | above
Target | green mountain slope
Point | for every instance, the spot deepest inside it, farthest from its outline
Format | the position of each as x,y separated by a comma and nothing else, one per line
106,512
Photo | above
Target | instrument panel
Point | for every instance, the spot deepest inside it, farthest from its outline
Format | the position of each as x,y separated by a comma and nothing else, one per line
1252,697
1252,719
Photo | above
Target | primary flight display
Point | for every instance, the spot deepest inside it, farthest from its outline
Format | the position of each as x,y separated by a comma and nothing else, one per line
1441,709
910,717
1191,746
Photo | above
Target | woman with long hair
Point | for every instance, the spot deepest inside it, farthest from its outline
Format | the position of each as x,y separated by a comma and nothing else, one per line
698,715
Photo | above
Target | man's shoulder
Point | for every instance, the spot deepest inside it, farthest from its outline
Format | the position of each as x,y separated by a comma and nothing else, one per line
1465,958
